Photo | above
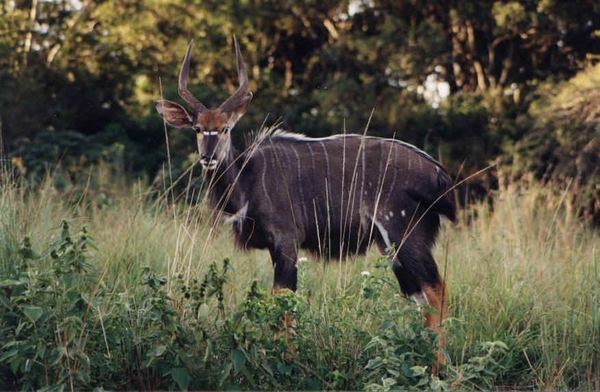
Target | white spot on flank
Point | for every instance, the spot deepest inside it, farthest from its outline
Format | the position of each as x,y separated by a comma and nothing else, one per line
403,213
391,214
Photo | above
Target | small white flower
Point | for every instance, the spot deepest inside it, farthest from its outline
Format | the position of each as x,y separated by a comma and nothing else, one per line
302,259
365,273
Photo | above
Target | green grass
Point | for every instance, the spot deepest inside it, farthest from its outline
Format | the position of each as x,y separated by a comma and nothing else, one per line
142,300
529,275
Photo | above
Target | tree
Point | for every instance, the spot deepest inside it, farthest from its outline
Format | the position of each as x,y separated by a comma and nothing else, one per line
96,67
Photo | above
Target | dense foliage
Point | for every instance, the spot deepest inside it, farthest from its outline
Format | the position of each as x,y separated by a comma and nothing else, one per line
463,80
103,287
123,294
63,327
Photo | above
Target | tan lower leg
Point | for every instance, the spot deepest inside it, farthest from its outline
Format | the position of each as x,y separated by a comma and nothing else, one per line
279,290
288,328
437,297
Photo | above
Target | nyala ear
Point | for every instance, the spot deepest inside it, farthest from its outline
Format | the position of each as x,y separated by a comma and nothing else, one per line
174,114
234,110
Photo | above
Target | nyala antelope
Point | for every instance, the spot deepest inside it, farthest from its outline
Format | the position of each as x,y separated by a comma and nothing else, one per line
332,196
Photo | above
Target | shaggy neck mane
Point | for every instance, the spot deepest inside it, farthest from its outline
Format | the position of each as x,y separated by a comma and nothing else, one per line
223,188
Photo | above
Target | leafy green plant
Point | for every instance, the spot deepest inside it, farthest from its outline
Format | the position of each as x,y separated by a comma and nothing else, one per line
404,352
49,312
124,315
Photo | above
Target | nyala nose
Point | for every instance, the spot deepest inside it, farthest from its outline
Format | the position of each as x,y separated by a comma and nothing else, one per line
205,156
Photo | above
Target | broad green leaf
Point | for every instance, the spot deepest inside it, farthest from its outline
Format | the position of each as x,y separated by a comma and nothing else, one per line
208,351
10,283
15,364
181,376
203,311
32,312
284,369
8,354
418,370
224,373
386,324
238,359
157,351
374,363
388,383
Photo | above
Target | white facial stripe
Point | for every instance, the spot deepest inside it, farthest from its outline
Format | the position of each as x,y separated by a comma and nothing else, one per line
213,133
209,165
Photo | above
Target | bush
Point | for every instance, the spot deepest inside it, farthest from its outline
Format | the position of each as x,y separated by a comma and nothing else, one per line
62,326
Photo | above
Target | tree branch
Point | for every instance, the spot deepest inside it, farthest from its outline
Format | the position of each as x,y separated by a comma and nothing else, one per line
29,34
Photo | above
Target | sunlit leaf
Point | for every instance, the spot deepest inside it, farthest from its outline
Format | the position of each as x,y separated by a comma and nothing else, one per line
157,351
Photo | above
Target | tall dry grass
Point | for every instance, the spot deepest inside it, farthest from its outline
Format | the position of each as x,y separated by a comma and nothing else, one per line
526,273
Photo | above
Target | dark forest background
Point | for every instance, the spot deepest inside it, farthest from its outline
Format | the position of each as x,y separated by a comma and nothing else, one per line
472,82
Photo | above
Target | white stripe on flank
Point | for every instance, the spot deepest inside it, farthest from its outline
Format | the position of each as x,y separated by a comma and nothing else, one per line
326,158
264,178
409,169
383,232
421,299
299,174
393,186
379,174
362,181
312,158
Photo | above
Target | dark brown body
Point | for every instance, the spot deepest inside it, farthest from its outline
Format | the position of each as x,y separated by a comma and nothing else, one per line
335,196
332,196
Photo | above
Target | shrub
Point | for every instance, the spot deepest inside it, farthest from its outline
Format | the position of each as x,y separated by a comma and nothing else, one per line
62,326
